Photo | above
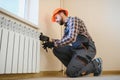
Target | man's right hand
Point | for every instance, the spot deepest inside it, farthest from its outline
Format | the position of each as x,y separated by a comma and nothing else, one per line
48,44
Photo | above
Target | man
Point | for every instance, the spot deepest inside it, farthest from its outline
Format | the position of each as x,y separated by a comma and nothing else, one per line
76,49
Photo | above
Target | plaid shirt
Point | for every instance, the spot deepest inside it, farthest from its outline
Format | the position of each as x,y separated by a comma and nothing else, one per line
73,27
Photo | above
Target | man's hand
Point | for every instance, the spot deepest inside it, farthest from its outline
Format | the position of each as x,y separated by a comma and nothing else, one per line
48,44
43,38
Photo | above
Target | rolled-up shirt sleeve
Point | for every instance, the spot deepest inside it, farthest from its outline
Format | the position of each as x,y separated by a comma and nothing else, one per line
72,33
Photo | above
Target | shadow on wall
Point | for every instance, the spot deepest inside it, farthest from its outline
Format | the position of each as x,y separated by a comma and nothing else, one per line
48,24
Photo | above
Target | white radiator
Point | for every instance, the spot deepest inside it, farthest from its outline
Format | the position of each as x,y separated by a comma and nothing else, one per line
19,47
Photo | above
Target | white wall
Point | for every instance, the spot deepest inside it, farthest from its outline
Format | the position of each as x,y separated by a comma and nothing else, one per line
102,18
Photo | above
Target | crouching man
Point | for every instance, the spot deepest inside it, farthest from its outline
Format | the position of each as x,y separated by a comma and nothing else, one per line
76,50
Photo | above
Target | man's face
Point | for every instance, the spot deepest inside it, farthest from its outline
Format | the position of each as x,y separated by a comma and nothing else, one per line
59,19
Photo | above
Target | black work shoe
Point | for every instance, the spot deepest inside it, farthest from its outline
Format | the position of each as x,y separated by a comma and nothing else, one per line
98,70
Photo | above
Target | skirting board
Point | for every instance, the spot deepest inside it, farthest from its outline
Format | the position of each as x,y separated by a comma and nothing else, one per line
111,72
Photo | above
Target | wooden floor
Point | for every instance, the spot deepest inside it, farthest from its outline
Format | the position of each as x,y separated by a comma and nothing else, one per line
46,74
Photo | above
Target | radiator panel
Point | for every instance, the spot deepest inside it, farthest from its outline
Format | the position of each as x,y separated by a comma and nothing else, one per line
4,43
20,55
25,64
37,56
9,53
15,54
30,56
34,56
1,32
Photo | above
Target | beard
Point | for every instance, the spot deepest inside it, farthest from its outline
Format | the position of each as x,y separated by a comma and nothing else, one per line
61,22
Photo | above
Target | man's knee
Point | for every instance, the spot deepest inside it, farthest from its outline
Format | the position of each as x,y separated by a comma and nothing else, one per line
73,70
71,73
75,66
77,73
